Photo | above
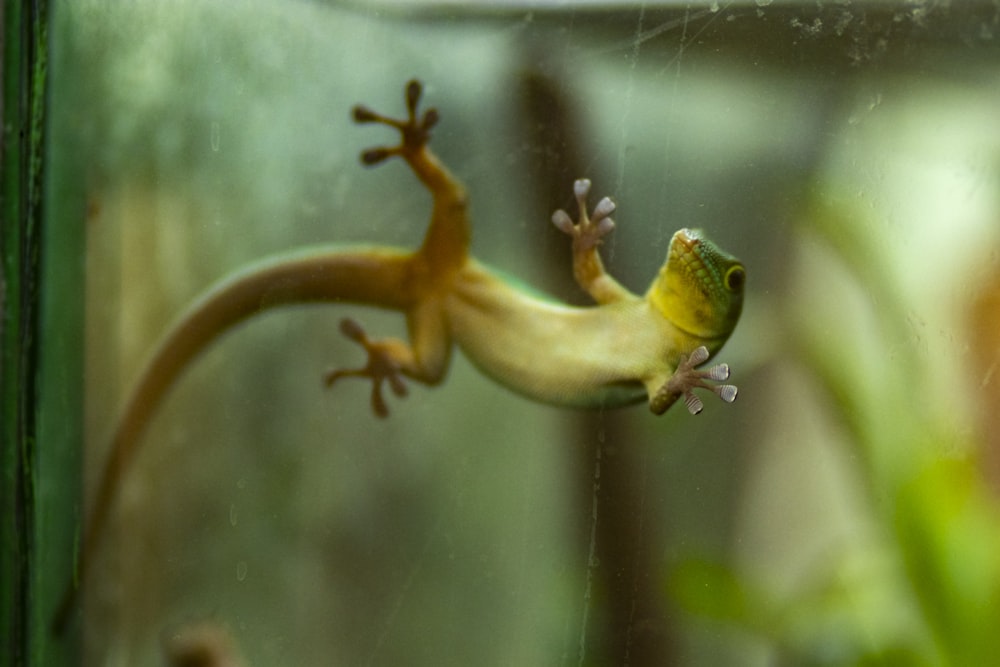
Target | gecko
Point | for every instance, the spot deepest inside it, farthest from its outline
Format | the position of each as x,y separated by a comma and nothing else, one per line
625,349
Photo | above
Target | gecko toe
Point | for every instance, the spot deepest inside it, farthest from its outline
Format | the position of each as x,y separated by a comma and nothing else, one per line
363,114
693,403
374,156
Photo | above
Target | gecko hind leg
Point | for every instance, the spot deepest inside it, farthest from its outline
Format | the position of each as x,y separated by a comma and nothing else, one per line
415,132
386,361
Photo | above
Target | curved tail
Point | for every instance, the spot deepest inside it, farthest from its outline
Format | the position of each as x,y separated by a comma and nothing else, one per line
371,276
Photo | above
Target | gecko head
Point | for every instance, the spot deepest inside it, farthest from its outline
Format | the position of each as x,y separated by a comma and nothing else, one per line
700,287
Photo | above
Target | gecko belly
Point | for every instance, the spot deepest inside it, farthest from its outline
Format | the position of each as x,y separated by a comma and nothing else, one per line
554,353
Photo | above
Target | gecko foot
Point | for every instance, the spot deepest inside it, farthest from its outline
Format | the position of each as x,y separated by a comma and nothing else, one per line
687,378
586,232
416,132
382,366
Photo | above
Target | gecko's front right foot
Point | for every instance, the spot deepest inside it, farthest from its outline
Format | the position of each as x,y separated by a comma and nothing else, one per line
588,230
687,377
415,132
382,366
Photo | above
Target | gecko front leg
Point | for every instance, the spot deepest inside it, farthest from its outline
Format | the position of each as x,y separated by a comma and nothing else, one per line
686,378
587,233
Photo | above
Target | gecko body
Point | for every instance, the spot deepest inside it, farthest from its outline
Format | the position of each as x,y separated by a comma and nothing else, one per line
625,349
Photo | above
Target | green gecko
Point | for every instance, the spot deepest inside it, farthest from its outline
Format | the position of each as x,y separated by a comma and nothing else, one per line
625,349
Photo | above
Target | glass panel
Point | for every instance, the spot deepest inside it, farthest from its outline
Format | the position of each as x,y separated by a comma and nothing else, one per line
842,511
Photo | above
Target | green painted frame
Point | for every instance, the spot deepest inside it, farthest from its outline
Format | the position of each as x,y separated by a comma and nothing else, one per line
41,327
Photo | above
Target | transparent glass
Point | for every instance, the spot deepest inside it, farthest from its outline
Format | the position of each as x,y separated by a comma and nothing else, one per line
842,511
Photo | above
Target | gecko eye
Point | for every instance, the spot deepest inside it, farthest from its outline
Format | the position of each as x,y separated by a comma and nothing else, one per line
735,278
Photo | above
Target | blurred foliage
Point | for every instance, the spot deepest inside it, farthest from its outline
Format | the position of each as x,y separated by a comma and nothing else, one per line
926,589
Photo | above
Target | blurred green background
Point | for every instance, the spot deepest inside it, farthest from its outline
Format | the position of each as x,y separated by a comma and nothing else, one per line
843,511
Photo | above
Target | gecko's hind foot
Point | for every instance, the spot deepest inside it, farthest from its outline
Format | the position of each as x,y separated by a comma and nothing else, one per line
415,131
588,230
687,377
382,365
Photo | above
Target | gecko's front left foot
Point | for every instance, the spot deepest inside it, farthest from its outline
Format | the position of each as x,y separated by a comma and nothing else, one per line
415,132
687,377
587,232
382,365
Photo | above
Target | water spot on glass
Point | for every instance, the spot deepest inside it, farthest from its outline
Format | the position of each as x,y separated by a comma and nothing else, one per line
714,7
763,3
241,483
215,136
845,18
232,514
241,570
813,29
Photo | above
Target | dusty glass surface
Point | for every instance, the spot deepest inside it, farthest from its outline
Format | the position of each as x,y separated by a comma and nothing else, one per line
842,511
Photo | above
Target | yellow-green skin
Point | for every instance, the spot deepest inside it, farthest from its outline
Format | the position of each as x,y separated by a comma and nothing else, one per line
613,354
618,352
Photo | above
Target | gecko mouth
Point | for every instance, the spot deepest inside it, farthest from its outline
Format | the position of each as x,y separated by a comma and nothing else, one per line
687,239
685,250
703,338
